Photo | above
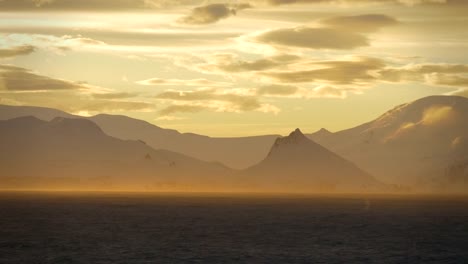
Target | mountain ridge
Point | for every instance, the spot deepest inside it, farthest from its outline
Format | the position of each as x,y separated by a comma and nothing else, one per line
411,144
76,153
76,150
211,149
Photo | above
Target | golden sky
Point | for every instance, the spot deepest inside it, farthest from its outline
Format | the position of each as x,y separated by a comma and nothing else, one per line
232,68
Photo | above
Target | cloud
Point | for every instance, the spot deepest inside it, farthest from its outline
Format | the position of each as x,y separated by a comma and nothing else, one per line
404,2
212,99
360,23
359,70
367,70
340,33
313,38
441,74
16,51
102,5
182,109
278,90
30,42
75,101
100,106
170,118
327,91
115,40
331,78
40,3
416,71
17,79
14,78
230,63
24,87
227,63
131,5
114,95
244,103
435,116
438,115
180,82
291,91
212,13
447,79
461,92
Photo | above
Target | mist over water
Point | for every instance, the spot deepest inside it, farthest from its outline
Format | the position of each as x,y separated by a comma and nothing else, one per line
190,228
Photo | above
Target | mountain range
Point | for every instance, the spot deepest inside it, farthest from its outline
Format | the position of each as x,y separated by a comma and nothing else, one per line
421,145
70,153
224,150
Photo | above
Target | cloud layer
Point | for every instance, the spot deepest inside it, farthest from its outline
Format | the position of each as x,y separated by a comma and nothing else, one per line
16,51
156,4
180,82
212,13
20,79
340,33
101,5
313,38
214,100
360,23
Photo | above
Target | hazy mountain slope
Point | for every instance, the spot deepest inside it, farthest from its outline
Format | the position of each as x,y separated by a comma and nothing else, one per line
78,150
43,113
299,164
237,153
408,144
76,154
234,152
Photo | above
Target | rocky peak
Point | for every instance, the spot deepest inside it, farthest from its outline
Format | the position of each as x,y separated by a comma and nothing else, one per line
295,137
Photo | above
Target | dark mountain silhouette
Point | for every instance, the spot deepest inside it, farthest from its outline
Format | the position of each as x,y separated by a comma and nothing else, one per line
237,153
75,152
297,163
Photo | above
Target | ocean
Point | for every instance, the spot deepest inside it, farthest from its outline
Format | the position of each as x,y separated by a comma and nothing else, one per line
222,228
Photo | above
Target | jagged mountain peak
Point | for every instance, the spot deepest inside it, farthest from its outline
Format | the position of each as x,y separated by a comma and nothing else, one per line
300,163
294,137
296,131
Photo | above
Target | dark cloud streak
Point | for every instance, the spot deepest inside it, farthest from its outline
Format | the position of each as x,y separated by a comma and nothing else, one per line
212,13
14,78
313,38
16,51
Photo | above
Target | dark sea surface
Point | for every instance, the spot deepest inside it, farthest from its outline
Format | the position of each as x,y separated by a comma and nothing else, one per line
134,228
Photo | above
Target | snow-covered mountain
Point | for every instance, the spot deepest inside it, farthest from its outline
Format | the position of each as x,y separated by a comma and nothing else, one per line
410,144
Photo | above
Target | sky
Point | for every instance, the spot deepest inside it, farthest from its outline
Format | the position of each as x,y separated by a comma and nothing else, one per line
232,68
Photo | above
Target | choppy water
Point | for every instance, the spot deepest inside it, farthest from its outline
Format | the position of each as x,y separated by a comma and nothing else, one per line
106,228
